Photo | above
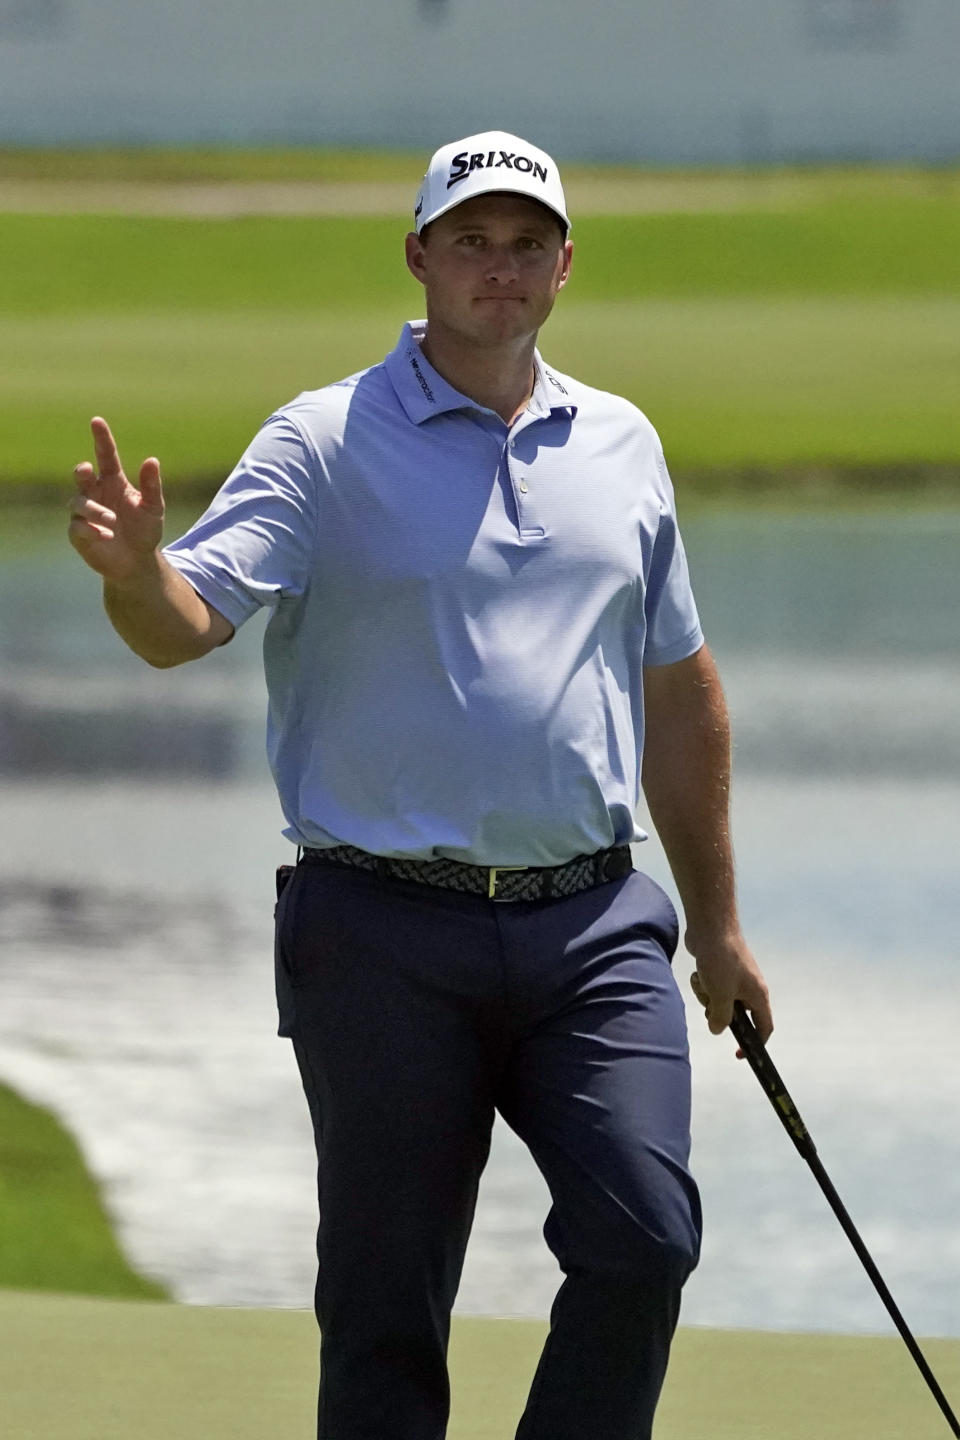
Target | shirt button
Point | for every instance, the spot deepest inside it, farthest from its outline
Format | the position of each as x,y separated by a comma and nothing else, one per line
523,487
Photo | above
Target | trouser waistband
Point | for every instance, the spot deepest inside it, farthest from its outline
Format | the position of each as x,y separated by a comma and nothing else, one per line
496,882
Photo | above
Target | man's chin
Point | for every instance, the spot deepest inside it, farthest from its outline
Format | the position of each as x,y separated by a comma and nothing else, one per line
502,323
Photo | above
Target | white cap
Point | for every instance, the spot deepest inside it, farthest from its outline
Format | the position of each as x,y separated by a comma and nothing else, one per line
482,165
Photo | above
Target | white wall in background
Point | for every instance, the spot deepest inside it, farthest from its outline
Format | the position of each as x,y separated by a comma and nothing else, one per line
664,81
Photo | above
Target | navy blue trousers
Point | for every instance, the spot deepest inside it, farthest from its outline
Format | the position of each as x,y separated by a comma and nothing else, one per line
415,1014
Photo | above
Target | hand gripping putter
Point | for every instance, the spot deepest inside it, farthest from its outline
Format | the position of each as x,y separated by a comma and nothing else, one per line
766,1072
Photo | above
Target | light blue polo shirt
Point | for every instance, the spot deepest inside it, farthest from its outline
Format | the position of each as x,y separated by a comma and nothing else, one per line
461,611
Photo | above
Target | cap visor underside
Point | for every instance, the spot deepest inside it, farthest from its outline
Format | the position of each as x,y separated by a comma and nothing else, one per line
500,188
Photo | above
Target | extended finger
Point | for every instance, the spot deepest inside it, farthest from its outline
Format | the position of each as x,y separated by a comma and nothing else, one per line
151,486
105,448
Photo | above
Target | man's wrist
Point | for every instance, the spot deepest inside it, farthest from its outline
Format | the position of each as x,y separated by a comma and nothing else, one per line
713,937
144,576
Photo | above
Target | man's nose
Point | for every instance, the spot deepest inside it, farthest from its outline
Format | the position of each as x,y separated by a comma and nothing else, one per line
502,264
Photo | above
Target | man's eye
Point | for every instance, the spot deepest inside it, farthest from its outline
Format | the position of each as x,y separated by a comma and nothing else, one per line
472,240
528,242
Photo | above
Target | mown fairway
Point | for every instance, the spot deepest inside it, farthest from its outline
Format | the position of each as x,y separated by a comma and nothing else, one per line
780,323
74,1369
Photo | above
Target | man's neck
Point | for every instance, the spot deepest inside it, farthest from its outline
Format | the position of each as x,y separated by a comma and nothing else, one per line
501,379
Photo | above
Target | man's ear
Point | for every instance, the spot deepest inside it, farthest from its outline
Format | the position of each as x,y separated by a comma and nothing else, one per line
414,248
567,263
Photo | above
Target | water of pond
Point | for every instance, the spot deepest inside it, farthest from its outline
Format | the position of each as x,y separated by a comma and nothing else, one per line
139,836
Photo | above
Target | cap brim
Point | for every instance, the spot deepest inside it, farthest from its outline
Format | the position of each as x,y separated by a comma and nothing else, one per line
502,187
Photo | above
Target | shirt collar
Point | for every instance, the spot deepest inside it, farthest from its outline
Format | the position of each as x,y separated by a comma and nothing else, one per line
421,391
549,391
424,393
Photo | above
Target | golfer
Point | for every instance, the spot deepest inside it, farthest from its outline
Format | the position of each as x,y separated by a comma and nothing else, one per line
482,641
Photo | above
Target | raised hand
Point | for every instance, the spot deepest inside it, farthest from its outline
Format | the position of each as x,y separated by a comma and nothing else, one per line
115,527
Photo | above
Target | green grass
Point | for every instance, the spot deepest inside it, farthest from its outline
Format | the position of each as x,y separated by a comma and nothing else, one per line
822,329
77,264
862,248
54,1231
239,165
98,1370
159,165
121,265
834,391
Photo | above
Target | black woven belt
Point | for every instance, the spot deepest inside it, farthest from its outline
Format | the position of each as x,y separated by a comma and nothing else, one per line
496,882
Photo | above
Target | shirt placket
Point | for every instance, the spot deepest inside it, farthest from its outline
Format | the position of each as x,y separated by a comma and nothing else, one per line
529,519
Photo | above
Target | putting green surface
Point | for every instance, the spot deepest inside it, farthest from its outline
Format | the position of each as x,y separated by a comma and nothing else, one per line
84,1369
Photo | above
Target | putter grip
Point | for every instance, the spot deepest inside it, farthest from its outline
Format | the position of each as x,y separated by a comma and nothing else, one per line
745,1034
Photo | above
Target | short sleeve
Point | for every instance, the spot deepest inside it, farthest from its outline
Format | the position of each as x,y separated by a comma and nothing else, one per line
255,544
673,625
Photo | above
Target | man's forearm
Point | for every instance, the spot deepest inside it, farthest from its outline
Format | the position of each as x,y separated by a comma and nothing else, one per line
686,781
161,617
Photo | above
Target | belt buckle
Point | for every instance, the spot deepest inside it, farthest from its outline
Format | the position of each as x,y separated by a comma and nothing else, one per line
494,871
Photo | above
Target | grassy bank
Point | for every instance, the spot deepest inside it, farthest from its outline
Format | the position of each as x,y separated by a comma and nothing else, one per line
783,326
153,1371
54,1231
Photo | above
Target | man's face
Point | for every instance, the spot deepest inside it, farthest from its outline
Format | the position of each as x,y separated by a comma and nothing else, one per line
491,268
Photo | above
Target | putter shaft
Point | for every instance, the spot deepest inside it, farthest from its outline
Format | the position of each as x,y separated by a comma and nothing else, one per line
754,1050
